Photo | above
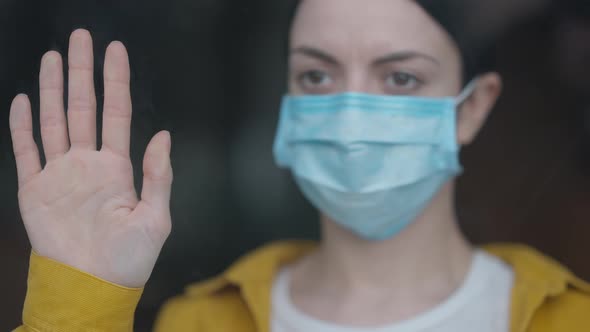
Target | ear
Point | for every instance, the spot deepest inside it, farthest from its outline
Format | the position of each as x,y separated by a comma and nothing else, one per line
473,113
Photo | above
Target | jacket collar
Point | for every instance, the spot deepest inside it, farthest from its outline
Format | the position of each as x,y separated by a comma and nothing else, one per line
537,278
253,275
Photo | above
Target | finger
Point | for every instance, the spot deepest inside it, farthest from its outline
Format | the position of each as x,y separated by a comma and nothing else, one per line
81,97
117,100
157,172
26,152
54,131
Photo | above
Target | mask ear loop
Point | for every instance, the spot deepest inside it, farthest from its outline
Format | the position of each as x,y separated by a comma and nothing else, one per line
467,92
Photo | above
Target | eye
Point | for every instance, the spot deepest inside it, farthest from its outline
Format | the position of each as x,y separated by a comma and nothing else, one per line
402,81
314,79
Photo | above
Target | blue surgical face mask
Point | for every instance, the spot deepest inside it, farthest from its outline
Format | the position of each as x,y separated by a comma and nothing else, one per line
371,163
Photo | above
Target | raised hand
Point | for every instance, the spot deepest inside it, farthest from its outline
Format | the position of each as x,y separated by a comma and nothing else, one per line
82,209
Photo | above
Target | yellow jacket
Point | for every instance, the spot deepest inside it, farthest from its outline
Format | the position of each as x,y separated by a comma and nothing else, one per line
546,296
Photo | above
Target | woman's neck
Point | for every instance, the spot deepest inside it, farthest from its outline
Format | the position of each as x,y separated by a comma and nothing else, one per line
425,263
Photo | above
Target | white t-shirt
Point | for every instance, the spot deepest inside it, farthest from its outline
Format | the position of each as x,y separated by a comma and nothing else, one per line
481,304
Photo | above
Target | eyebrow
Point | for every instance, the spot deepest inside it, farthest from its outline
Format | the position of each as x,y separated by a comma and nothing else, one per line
393,57
315,53
404,56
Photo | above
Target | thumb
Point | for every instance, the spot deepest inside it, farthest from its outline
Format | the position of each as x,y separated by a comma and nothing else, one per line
157,172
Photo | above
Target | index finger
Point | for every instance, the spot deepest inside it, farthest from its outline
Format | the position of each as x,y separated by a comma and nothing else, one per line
117,100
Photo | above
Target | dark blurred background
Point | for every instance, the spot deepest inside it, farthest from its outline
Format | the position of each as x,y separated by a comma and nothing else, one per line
213,71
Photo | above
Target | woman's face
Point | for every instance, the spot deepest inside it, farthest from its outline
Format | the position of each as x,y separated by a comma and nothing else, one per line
390,47
386,47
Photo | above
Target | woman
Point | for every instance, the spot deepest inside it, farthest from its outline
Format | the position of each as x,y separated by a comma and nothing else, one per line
380,100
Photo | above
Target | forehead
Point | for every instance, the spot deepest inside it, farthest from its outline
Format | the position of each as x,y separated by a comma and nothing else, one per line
369,26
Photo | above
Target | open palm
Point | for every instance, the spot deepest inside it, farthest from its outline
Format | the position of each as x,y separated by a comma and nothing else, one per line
81,208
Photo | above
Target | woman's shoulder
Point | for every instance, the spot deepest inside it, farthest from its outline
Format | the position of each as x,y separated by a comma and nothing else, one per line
534,267
546,295
240,292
